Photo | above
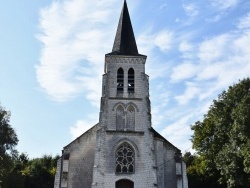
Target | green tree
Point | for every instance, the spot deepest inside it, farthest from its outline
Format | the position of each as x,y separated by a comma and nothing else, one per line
197,177
40,172
8,141
222,139
18,171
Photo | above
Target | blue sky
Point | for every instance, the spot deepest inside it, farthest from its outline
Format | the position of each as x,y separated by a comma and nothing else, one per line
52,59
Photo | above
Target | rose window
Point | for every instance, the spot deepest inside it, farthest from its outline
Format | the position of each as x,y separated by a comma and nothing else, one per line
124,159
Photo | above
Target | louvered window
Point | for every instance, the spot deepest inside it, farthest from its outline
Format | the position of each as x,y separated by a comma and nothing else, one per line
120,80
131,81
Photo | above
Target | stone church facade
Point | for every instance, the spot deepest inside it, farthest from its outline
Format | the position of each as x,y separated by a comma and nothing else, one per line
122,150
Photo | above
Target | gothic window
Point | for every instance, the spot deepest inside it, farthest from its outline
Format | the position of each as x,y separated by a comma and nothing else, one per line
131,118
120,118
124,159
131,80
120,80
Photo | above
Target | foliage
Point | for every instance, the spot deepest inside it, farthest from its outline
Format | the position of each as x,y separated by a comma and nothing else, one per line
222,139
26,173
18,171
8,141
8,137
40,172
197,176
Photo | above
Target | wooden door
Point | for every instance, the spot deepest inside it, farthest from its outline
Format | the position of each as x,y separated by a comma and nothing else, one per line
124,184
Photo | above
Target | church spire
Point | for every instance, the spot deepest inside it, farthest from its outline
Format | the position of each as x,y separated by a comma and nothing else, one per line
125,43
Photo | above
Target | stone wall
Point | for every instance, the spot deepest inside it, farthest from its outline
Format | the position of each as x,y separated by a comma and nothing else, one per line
184,176
81,159
104,172
58,173
113,64
168,175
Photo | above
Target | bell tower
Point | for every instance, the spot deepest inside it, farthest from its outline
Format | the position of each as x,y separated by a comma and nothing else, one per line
125,84
124,147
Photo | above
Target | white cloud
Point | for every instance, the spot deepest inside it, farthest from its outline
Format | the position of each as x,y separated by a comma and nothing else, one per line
178,132
185,46
163,40
191,9
216,18
224,4
208,67
157,116
82,126
222,7
184,71
213,49
219,62
244,23
192,90
211,67
75,36
163,6
177,20
160,96
147,43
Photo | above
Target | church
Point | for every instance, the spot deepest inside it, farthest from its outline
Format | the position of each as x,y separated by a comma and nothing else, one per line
122,150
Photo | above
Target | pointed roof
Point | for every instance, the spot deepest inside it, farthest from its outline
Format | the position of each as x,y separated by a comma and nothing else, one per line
124,43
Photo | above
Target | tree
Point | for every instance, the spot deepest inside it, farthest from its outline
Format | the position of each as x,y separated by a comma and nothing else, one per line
8,137
40,172
8,141
222,139
197,177
30,173
18,171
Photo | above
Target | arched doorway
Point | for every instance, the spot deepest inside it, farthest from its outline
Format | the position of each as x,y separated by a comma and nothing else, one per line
124,184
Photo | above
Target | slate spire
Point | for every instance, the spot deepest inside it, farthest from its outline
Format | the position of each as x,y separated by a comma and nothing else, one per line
125,43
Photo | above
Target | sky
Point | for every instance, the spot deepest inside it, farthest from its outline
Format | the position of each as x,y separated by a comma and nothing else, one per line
52,61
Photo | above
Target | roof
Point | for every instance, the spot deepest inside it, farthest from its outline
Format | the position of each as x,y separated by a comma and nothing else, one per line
157,135
124,43
79,137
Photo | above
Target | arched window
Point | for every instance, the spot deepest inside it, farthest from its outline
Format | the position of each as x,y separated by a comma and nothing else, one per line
124,159
120,80
120,118
124,184
131,80
131,118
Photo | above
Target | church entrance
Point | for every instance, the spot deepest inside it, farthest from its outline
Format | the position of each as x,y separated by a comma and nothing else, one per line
124,184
